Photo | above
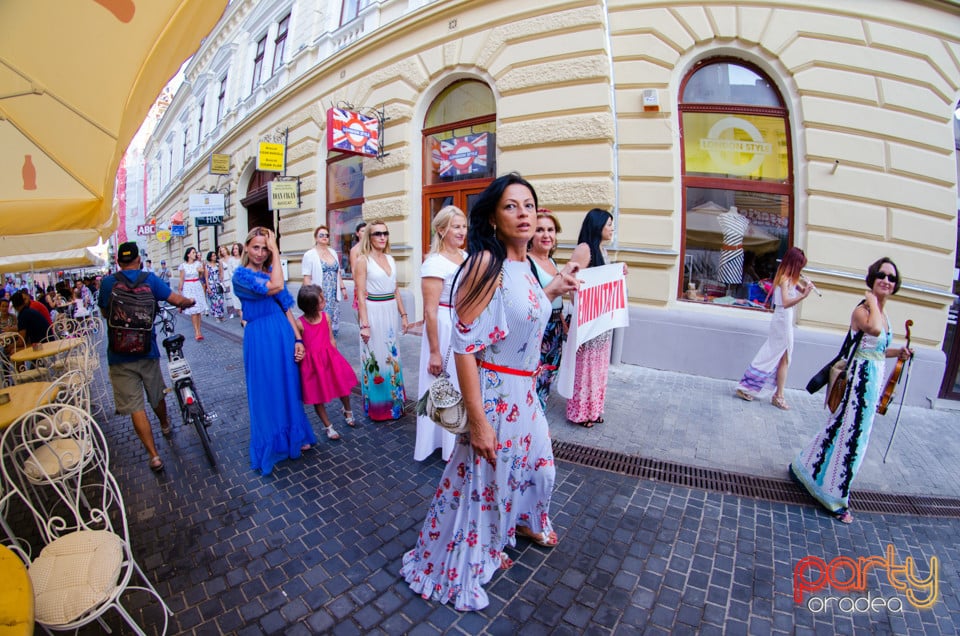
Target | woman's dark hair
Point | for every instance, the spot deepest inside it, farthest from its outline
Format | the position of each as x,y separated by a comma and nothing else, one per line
210,256
482,236
187,253
591,233
874,269
308,299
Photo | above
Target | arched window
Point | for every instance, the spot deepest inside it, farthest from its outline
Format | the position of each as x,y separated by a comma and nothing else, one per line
737,183
459,149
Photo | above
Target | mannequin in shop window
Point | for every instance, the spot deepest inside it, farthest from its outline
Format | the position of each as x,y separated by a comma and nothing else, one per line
734,226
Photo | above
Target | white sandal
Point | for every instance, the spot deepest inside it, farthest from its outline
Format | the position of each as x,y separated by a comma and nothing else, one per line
348,417
332,433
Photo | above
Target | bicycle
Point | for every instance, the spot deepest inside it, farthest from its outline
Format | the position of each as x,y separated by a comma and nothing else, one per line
191,408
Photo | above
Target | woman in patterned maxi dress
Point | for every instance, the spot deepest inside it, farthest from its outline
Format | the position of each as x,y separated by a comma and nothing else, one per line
585,406
321,266
827,465
499,480
382,320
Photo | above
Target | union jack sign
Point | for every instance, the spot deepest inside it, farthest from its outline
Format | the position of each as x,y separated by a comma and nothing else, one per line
352,132
463,155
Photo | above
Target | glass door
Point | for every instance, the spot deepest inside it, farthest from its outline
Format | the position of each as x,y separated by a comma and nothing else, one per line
436,200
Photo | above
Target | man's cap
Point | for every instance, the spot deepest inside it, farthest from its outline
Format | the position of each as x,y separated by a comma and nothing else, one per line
163,262
127,252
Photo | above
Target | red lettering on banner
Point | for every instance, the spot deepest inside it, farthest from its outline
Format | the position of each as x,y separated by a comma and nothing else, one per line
599,300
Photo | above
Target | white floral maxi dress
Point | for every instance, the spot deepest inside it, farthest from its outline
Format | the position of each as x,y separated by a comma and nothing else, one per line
476,508
381,375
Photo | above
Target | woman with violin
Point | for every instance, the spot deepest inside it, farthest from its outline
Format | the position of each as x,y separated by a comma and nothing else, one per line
828,464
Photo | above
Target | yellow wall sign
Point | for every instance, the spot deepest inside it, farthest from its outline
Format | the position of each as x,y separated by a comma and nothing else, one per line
163,235
219,164
752,146
270,157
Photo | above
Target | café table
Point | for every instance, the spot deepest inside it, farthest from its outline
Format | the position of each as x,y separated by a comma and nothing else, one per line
16,602
45,350
23,397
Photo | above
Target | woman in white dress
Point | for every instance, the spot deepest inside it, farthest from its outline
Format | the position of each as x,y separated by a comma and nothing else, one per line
382,320
768,371
436,283
233,262
321,267
192,285
499,480
223,257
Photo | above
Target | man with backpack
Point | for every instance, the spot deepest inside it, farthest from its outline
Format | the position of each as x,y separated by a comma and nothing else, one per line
128,301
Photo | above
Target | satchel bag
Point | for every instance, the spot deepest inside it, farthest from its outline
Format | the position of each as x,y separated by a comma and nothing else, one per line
442,402
822,377
838,377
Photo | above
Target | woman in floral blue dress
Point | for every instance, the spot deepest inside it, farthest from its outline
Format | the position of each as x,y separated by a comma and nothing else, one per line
499,480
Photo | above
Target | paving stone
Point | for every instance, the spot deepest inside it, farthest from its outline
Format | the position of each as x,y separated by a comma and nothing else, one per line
316,546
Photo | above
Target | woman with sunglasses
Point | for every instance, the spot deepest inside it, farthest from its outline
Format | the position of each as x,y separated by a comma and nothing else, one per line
321,266
382,320
828,464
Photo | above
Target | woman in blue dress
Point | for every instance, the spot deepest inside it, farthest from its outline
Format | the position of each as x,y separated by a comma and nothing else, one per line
272,347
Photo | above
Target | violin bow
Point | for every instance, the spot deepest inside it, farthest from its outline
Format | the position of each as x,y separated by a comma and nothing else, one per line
903,396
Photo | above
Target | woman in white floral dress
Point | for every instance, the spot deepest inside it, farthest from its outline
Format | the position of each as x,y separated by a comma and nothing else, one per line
499,480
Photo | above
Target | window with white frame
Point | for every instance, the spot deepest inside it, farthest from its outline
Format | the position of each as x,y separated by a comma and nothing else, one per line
222,98
280,44
258,62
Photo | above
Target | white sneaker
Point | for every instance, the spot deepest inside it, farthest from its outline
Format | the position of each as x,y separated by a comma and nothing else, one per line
332,433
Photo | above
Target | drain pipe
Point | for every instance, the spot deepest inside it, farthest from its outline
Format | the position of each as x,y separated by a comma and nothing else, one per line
616,347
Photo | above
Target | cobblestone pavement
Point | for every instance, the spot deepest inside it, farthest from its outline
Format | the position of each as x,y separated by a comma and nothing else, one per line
316,547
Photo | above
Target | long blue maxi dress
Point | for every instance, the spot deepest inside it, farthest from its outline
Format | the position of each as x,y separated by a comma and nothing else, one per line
278,426
828,464
476,508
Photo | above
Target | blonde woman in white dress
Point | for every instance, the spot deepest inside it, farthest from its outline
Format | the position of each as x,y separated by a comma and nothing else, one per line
436,283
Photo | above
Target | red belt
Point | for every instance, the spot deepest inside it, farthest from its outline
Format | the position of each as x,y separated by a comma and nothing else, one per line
730,248
190,280
446,305
510,370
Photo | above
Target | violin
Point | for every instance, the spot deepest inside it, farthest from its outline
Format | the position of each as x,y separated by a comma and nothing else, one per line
894,378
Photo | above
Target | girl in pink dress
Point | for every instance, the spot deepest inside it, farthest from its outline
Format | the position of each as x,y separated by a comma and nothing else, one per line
325,374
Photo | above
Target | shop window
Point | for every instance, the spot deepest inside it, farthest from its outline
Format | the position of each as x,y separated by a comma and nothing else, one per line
737,184
344,203
459,149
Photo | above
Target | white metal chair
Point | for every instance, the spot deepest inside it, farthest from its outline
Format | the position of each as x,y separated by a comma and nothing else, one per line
71,387
85,563
14,373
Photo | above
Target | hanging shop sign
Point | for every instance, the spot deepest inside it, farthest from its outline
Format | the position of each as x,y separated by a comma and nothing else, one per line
207,206
349,131
283,195
463,155
147,229
270,158
219,164
178,230
164,235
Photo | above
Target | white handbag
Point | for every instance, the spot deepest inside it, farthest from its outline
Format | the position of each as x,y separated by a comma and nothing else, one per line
443,403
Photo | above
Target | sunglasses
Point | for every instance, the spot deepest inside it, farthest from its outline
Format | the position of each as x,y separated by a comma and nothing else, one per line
380,234
890,277
322,235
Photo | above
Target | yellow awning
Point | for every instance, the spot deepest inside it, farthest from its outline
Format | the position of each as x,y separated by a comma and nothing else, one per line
76,81
63,259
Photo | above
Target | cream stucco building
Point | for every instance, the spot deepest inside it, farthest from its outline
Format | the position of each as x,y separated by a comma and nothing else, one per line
828,126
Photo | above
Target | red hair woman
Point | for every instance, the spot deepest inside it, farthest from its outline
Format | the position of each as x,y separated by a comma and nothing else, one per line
768,371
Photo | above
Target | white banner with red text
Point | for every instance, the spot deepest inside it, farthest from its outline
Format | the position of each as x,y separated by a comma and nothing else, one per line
600,305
